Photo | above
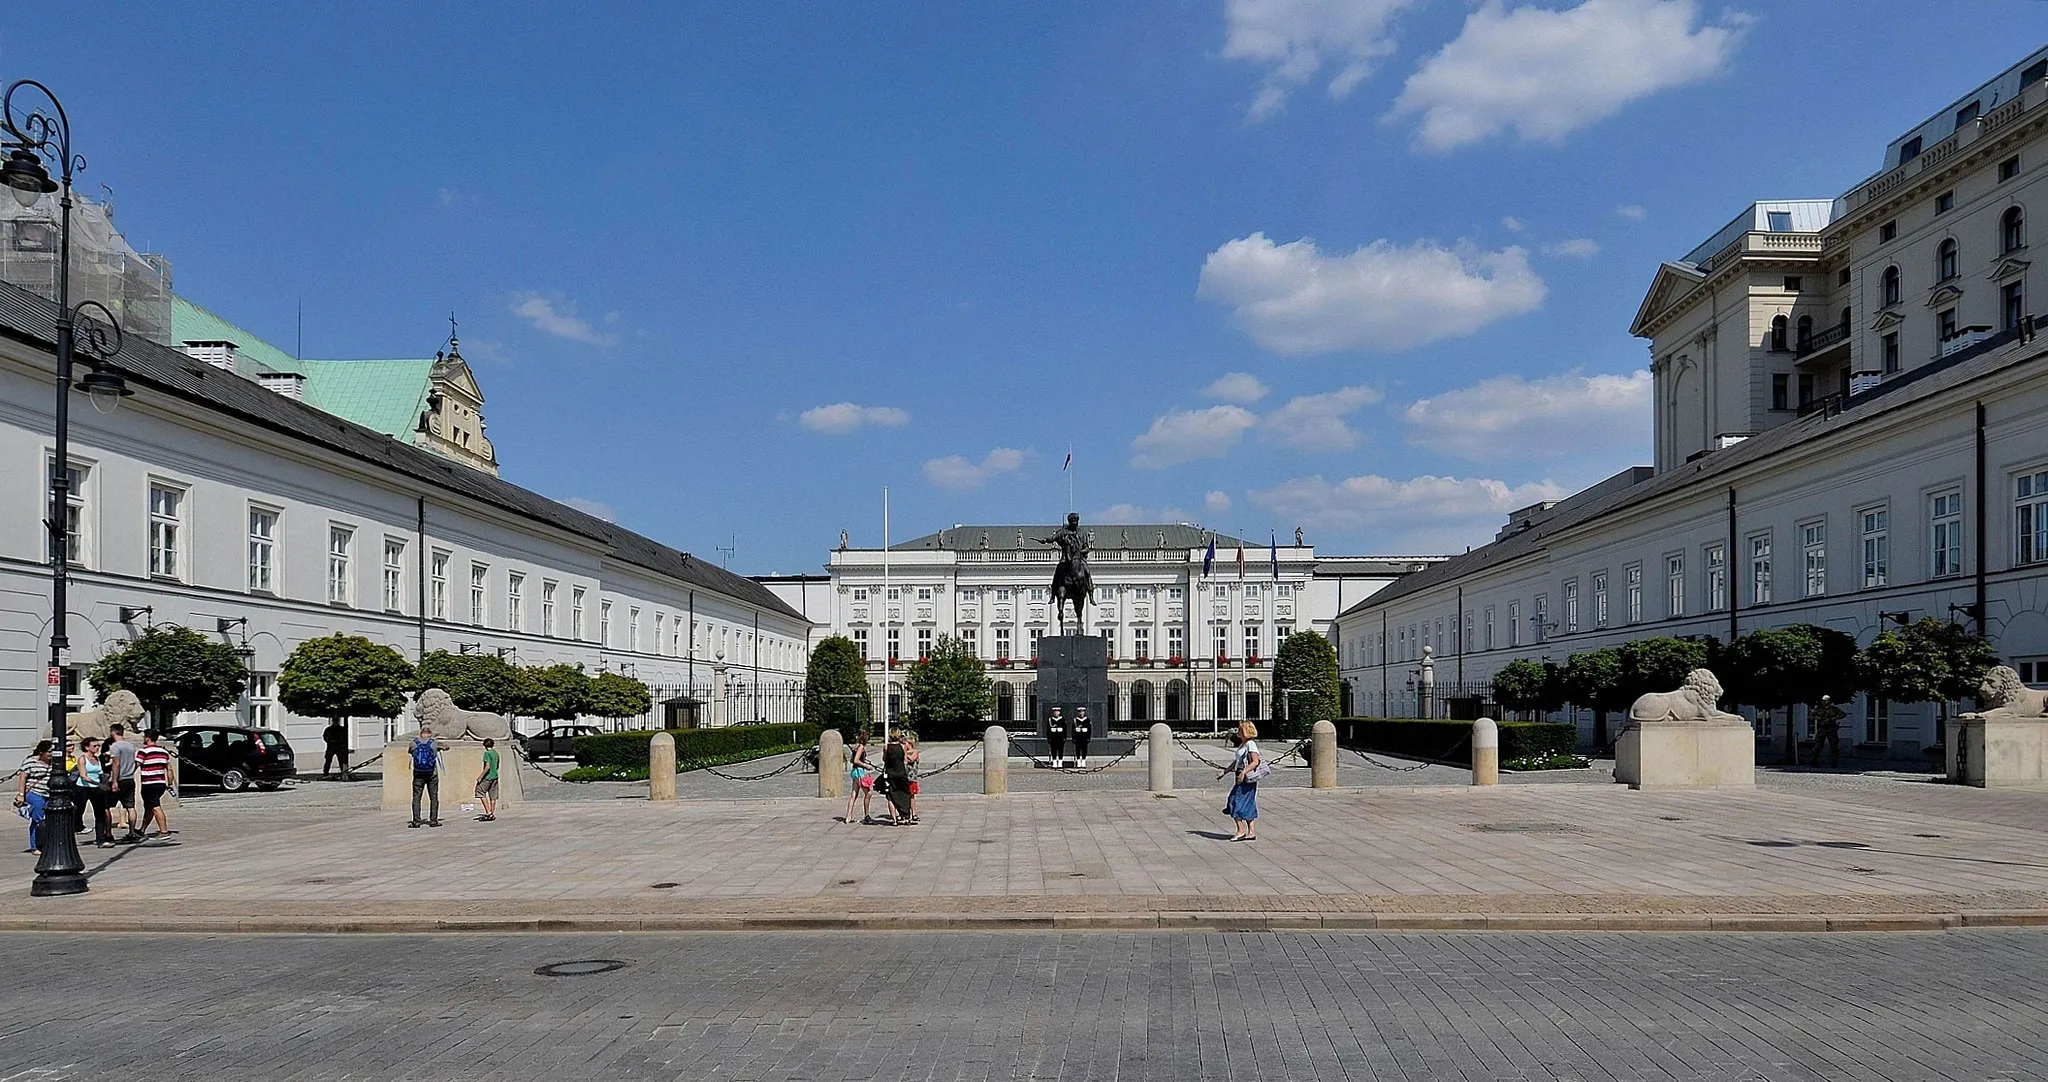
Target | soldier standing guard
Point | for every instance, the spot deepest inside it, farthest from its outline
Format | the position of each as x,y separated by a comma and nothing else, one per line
1827,731
1081,734
1056,737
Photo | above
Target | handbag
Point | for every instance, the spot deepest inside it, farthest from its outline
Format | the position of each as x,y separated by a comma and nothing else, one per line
1264,768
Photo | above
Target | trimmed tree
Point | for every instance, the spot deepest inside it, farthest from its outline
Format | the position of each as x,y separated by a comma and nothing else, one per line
1593,679
1525,686
556,692
1659,664
1777,667
836,692
1926,661
483,682
344,676
949,692
616,695
172,669
1304,683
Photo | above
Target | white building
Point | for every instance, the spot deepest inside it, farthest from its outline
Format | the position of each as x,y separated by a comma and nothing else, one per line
209,501
1851,425
1184,646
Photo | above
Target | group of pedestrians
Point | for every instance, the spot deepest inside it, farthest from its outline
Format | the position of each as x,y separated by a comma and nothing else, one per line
895,779
106,775
427,763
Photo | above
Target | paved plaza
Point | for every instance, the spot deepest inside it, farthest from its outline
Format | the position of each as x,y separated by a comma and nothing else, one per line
1803,851
1103,1007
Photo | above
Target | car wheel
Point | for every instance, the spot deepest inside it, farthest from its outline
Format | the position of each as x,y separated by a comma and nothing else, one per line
234,780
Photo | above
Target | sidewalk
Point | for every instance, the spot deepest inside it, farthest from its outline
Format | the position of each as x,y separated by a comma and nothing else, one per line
1792,854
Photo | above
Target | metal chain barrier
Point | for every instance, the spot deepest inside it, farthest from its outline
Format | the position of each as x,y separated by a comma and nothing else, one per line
971,749
1190,749
1426,762
536,765
717,773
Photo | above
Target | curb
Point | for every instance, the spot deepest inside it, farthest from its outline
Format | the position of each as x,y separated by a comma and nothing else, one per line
1001,922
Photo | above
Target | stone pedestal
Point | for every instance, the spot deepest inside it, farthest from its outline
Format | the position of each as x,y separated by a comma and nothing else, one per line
461,762
1996,753
1686,755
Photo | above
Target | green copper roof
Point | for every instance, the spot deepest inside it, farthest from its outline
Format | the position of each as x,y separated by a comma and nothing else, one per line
387,396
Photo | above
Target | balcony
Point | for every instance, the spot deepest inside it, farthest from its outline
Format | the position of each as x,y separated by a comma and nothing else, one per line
1822,346
1965,338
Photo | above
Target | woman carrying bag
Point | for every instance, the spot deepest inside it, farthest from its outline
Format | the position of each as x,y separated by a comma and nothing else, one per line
1249,767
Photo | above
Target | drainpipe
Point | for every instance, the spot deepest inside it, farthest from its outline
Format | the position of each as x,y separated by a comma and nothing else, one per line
1386,686
692,669
1977,610
420,532
1462,644
1728,571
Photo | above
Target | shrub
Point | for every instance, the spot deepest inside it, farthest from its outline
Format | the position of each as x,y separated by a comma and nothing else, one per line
172,669
557,692
619,754
615,695
1450,741
344,676
1304,684
949,691
836,692
1554,762
483,682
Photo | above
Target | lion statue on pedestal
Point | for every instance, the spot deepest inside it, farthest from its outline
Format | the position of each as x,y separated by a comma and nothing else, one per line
1696,702
120,708
2005,698
434,709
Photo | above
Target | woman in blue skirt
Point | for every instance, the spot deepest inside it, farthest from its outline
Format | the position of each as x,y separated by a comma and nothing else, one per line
1243,805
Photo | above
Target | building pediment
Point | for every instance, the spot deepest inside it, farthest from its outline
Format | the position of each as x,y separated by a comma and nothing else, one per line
1886,320
1674,281
2008,268
1944,295
453,374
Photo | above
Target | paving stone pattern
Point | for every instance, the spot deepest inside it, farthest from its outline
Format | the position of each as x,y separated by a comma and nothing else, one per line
1174,1007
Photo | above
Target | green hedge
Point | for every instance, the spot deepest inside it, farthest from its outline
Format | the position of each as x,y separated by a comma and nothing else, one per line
626,753
1450,740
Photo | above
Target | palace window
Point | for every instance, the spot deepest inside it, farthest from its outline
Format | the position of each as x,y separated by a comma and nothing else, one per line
515,602
660,633
1813,551
1571,607
633,629
1674,585
1176,642
860,641
1890,287
1760,569
2030,518
1539,619
166,530
1036,634
1717,578
547,608
1877,721
1876,544
340,545
1251,640
262,550
1945,534
2012,230
74,515
2012,305
479,607
263,700
924,643
2009,168
1633,575
1889,345
437,595
1489,627
1141,643
1600,599
1002,644
604,624
1222,641
1947,260
576,613
1514,624
394,575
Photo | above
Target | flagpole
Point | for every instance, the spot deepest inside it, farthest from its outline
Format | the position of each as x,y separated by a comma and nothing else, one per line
1070,478
886,671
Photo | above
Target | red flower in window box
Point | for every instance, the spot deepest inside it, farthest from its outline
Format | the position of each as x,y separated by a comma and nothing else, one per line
1002,663
1033,662
1174,661
1222,659
1251,659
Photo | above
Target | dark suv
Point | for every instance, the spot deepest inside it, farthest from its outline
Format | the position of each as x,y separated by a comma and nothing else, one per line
231,757
555,741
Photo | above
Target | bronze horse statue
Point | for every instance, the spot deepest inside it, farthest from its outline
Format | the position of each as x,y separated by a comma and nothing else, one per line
1070,581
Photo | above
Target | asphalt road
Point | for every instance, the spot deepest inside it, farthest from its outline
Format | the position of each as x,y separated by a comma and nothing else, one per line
1086,1006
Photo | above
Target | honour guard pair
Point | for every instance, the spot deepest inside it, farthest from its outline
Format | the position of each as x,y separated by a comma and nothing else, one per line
1059,730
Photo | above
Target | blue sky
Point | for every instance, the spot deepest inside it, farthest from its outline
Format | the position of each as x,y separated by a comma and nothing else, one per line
1360,266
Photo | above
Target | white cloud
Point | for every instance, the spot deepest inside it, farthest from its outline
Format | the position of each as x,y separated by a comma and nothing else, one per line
1189,435
840,418
1511,419
593,508
1239,387
1544,74
1126,514
1297,39
1513,224
1216,501
1634,212
1316,422
955,473
556,315
1576,248
1291,298
1421,514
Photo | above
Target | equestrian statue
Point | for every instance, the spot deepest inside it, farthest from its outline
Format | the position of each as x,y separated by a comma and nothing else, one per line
1070,581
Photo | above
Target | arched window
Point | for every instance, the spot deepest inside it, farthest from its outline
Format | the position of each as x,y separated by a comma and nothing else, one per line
2012,230
1805,333
1891,286
1778,329
1947,261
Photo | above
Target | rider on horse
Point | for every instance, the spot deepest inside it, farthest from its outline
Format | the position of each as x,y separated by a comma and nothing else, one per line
1071,579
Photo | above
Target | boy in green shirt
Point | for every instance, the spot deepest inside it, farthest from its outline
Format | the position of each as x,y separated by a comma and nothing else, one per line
487,783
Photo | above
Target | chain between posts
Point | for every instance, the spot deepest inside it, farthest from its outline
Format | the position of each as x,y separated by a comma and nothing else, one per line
1018,749
971,749
1426,762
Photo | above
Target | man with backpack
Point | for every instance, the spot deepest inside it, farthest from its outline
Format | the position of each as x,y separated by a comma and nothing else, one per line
426,776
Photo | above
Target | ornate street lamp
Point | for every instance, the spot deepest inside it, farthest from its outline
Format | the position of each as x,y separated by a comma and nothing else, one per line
32,140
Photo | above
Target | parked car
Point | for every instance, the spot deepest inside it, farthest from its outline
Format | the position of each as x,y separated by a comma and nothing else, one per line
555,741
231,757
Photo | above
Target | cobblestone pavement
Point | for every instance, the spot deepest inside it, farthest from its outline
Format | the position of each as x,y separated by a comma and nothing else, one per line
1103,1007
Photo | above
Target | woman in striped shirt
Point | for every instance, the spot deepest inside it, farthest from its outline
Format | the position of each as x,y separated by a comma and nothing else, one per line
34,791
153,770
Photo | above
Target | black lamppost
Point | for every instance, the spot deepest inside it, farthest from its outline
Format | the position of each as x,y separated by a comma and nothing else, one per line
30,139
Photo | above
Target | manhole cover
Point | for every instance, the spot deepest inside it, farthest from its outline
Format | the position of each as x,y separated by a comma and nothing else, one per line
663,886
588,967
1527,828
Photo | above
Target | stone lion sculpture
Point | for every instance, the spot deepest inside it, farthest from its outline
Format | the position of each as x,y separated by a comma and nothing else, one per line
120,708
1695,702
436,710
2005,698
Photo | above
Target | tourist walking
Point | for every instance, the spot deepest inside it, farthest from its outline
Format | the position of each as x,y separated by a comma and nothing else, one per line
91,778
33,794
896,773
1243,803
121,760
487,782
335,737
426,777
911,758
862,773
153,773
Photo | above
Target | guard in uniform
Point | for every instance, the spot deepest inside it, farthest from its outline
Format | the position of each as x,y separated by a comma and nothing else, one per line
1056,737
1081,734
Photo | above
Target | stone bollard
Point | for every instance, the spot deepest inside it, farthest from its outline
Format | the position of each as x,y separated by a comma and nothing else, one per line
1322,763
661,767
995,761
1485,752
831,765
1159,758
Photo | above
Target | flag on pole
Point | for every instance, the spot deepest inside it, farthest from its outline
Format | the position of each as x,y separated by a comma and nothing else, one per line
1068,462
1276,555
1209,558
1240,561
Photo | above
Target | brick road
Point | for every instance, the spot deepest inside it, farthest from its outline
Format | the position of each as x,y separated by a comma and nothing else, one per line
1085,1006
